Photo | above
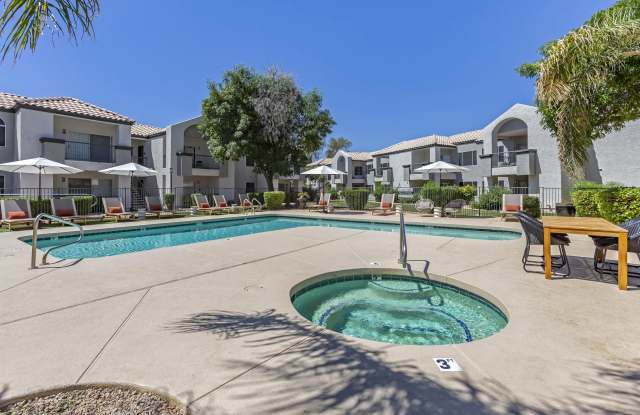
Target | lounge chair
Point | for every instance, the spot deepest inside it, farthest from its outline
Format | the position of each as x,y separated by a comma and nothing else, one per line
66,209
113,208
453,207
323,204
387,202
606,243
202,204
511,204
155,208
425,206
534,232
249,203
16,212
221,204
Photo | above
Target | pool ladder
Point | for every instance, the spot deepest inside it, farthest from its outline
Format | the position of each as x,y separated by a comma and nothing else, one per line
34,238
402,260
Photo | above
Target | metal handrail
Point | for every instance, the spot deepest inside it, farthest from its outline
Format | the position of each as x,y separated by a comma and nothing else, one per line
404,250
403,242
34,238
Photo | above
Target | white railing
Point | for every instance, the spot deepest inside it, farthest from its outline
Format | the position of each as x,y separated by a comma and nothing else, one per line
34,238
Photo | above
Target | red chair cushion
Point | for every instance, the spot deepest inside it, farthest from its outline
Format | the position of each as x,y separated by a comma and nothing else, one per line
65,212
155,206
16,214
222,204
247,203
204,205
322,202
386,206
512,208
114,210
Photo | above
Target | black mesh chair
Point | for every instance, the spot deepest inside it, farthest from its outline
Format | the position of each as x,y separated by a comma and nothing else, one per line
606,243
534,232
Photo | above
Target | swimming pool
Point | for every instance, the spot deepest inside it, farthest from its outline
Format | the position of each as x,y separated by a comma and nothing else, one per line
144,238
398,309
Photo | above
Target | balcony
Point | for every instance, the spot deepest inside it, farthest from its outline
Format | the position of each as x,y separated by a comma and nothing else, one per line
204,161
94,152
519,162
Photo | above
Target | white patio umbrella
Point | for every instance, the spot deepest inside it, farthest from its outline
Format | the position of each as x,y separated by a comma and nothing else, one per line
441,167
322,171
39,166
130,169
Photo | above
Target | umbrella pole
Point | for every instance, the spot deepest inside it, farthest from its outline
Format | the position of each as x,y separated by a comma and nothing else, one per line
39,184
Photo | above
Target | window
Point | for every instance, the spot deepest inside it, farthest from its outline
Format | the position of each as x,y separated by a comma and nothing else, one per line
468,158
3,139
406,171
250,187
357,171
249,162
1,184
79,186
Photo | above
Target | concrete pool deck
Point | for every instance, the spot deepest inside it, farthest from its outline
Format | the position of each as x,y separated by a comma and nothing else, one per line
212,324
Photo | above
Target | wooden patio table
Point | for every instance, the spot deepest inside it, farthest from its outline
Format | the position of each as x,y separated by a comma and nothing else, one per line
586,226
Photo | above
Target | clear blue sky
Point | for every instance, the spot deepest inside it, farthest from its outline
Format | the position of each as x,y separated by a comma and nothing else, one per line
388,71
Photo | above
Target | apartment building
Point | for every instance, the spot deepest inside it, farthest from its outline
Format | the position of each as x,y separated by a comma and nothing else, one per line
513,151
92,138
355,165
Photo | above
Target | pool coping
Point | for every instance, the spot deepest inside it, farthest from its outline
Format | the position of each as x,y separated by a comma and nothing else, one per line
107,228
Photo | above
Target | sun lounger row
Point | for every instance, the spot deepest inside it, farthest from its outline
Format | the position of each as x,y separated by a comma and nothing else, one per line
18,211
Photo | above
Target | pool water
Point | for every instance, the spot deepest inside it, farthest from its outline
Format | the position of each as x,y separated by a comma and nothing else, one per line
143,238
399,310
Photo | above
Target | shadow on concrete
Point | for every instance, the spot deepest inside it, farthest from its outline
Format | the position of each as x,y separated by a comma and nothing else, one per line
321,371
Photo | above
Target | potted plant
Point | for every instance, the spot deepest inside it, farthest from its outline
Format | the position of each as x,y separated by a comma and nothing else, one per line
566,208
303,198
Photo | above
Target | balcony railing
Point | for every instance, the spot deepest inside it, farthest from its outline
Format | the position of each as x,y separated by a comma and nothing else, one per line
203,161
96,152
505,159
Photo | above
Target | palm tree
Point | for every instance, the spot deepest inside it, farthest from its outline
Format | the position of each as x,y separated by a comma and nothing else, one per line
337,144
588,82
23,22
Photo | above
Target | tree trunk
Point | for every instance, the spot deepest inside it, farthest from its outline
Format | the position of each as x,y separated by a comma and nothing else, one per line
269,177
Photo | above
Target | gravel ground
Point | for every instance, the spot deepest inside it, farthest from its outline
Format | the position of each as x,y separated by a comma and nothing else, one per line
96,401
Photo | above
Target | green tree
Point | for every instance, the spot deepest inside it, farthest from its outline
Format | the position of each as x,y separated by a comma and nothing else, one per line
336,144
265,118
23,22
588,82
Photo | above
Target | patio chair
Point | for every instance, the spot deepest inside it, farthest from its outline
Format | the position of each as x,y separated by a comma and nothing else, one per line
534,233
511,204
607,243
454,206
425,206
323,204
202,204
66,209
386,204
221,204
249,203
155,208
113,208
16,212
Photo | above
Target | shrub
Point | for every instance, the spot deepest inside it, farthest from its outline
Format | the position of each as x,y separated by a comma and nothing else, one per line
586,202
274,200
334,193
468,192
313,193
619,204
83,204
531,205
441,195
40,206
356,199
491,199
379,189
169,200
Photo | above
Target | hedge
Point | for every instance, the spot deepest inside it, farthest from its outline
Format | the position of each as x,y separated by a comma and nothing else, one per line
441,195
585,198
491,199
274,200
356,199
618,205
